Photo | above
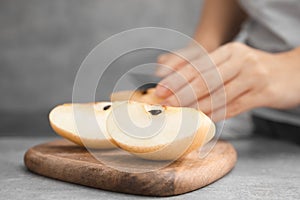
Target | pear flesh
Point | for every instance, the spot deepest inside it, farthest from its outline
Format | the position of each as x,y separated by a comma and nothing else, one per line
83,124
158,132
153,132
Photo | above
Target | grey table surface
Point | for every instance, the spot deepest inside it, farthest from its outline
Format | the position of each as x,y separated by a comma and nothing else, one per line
266,169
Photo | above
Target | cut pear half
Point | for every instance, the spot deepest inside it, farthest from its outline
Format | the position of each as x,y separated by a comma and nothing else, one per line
144,96
158,132
83,124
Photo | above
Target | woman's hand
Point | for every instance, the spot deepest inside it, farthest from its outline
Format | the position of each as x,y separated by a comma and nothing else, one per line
241,78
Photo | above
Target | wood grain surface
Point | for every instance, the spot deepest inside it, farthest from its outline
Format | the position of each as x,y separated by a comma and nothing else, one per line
68,162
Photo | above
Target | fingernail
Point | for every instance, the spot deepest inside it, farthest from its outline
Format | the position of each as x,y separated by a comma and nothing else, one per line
163,71
159,73
170,102
161,91
165,103
161,58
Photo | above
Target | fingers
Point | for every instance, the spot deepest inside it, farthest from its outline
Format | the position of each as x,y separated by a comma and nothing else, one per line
173,61
211,78
186,95
224,95
189,89
246,101
183,76
221,54
176,80
242,104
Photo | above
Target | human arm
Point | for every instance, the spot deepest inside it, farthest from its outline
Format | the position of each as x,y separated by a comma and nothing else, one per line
219,23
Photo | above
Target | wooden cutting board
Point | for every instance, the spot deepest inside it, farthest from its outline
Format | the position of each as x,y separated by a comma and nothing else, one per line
66,161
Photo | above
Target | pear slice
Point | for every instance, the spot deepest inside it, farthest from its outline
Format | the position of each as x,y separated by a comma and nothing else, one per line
83,124
158,132
146,96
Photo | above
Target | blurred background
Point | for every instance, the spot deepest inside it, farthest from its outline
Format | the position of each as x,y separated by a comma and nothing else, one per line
43,43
